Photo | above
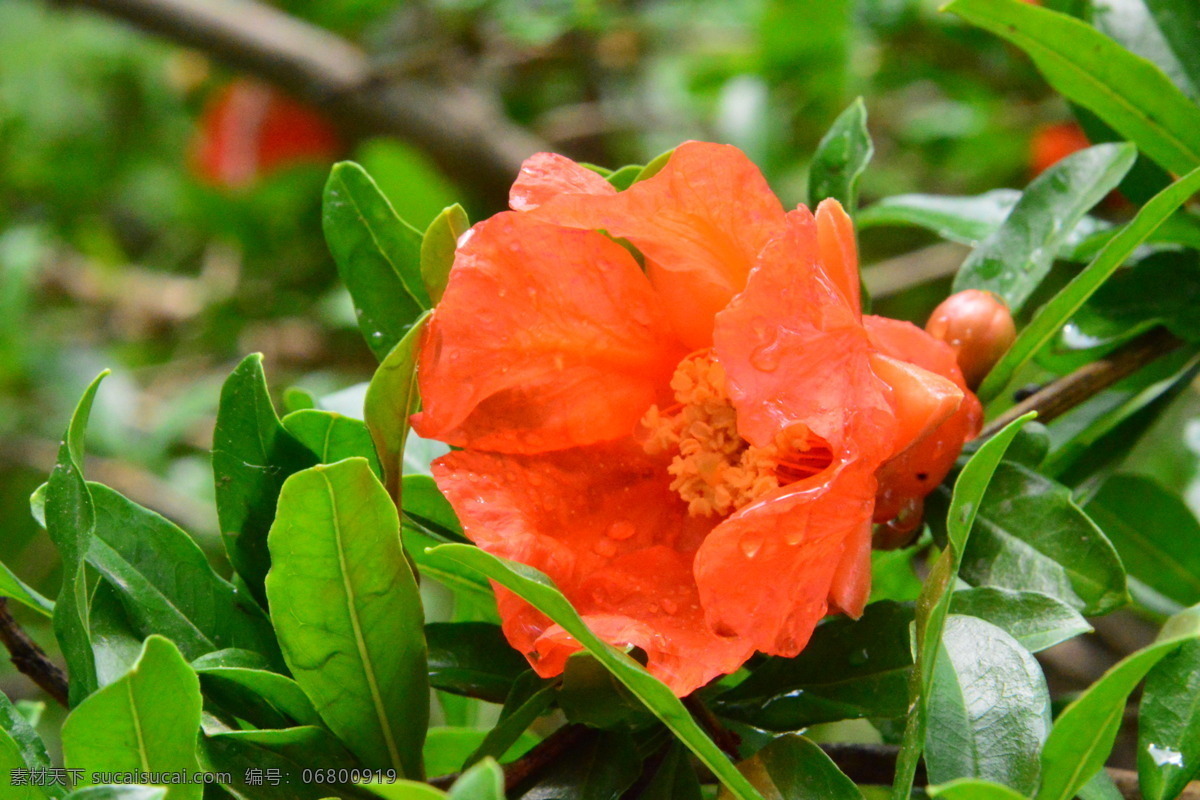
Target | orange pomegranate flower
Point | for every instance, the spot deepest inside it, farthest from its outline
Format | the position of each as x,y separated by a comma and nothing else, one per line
667,399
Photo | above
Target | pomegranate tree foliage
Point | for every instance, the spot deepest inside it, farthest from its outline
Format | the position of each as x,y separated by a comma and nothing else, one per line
312,666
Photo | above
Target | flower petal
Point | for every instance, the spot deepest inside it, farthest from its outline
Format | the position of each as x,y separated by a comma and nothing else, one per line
547,175
602,522
700,222
767,573
839,253
546,338
794,351
917,469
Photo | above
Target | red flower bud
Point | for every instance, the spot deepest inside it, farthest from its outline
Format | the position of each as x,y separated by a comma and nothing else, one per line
979,327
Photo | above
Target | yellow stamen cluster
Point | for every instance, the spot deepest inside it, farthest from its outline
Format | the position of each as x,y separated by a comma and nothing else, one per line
714,469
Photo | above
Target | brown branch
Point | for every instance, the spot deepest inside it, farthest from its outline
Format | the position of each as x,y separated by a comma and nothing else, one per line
724,738
30,659
541,756
1067,392
464,132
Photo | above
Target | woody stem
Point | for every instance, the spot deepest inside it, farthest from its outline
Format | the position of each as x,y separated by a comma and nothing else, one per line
30,659
1069,391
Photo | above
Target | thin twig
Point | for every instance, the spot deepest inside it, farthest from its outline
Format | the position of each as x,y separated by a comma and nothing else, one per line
724,738
541,756
1067,392
460,128
30,659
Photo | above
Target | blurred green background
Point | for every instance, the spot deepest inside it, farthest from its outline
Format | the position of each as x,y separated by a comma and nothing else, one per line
115,252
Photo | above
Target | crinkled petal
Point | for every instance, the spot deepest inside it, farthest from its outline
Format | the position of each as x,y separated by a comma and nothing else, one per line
851,586
602,522
547,175
839,252
546,338
700,222
794,352
767,573
913,473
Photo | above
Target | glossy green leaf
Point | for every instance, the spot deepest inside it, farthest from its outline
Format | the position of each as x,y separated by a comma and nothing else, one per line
10,763
472,659
252,456
1160,289
1014,259
14,588
403,790
934,603
378,256
22,748
849,669
793,767
1030,535
437,249
168,586
840,158
447,747
539,591
291,751
675,778
267,699
1084,732
601,768
973,789
1128,92
71,521
116,646
1035,620
625,177
459,579
332,437
1132,25
1055,313
989,710
230,657
425,505
530,698
147,721
1169,724
590,695
966,220
1155,532
484,781
391,398
359,653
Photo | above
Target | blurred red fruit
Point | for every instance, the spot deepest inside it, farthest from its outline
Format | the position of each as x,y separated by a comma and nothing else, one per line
248,130
1052,143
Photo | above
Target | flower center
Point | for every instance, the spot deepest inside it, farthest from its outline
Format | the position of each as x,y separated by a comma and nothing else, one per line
714,469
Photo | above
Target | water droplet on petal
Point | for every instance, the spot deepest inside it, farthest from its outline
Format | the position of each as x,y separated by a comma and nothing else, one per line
751,543
766,356
670,606
605,547
621,530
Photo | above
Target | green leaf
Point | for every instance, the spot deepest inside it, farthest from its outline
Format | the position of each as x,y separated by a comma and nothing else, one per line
529,699
1014,259
1031,536
592,696
1128,92
625,177
167,585
145,722
22,748
391,398
484,781
359,652
1179,22
71,522
252,456
267,699
291,751
1134,27
966,220
14,588
378,256
601,768
989,711
10,763
437,249
840,158
472,659
1169,724
1052,316
447,747
675,778
404,790
116,646
121,792
539,591
1035,620
973,789
1155,532
425,505
332,437
1084,733
793,767
849,669
934,603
